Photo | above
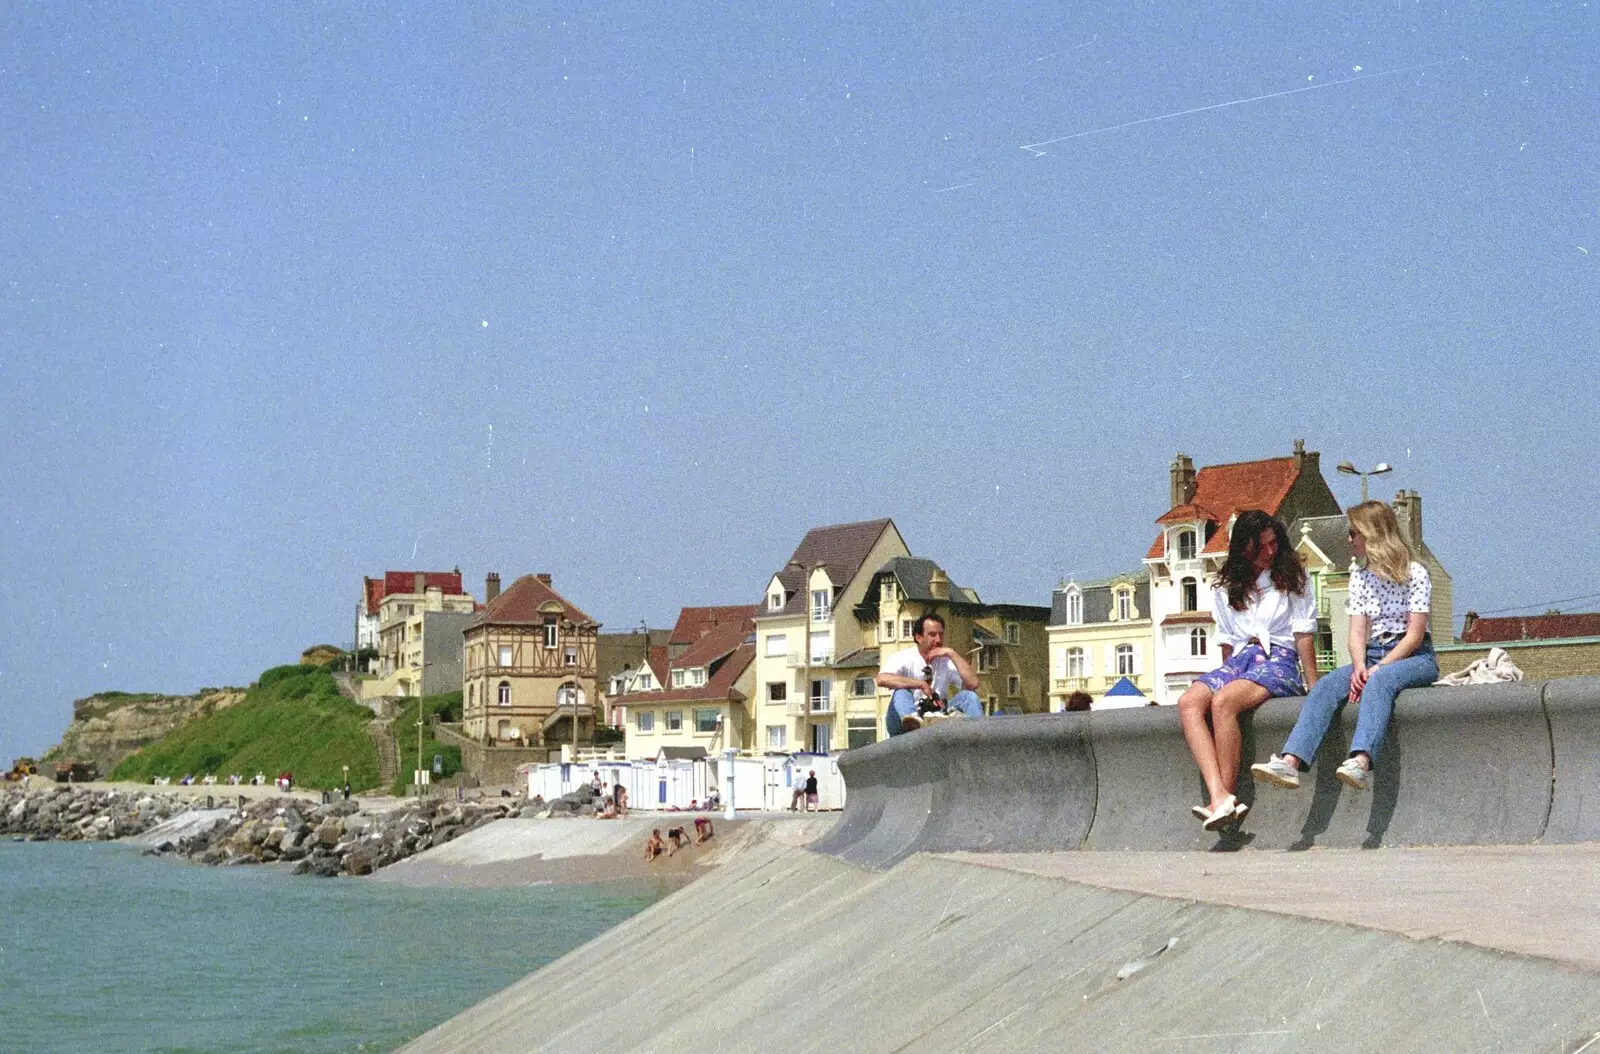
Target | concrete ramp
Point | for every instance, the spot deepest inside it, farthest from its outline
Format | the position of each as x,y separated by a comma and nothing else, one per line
1461,766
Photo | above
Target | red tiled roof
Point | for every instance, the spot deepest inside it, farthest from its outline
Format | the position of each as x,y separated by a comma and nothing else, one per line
841,549
1222,490
715,644
694,623
520,604
657,658
372,588
447,582
1531,627
720,687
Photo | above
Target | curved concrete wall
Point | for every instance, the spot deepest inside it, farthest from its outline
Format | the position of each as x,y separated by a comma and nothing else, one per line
1488,764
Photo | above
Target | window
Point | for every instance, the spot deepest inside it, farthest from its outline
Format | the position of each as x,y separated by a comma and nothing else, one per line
707,720
988,658
1197,641
1186,545
646,720
1013,685
1191,594
1013,633
1124,605
862,686
821,604
1124,660
677,678
550,631
821,691
777,737
777,691
618,683
472,696
888,591
774,601
646,682
697,676
1074,608
777,645
821,738
674,720
888,629
990,705
503,729
905,628
569,656
503,694
861,732
821,647
504,655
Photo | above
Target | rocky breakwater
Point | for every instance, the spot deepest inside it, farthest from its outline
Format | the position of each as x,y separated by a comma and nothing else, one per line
326,840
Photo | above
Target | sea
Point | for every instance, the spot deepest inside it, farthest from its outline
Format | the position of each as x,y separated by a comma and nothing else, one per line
105,949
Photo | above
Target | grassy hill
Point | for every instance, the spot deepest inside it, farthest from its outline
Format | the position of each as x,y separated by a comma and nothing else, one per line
293,719
404,726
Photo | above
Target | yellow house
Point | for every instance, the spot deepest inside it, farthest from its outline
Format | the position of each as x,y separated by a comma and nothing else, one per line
701,702
1005,643
1101,632
530,666
420,619
803,699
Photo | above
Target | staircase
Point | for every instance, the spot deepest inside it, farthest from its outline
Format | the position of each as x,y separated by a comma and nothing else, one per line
388,756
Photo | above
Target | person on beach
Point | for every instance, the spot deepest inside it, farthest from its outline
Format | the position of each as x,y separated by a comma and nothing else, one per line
619,794
702,829
677,838
607,810
1390,651
1266,626
1079,701
652,846
929,682
811,791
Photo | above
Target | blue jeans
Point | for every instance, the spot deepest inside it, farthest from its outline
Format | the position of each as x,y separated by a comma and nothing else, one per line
904,701
1332,691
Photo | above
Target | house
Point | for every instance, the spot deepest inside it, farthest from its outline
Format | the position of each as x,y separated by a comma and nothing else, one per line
1543,646
620,658
1323,544
420,619
700,703
530,667
1101,633
806,621
1005,643
1193,543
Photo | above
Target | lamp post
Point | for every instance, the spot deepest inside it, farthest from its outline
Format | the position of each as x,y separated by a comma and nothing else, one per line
805,654
1377,470
728,754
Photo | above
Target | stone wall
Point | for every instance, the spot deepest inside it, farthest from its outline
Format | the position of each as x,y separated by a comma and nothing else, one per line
491,765
1539,660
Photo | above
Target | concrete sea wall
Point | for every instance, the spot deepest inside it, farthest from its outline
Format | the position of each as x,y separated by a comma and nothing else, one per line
1495,764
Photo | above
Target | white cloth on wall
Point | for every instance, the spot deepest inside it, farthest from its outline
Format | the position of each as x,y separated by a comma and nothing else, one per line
1493,668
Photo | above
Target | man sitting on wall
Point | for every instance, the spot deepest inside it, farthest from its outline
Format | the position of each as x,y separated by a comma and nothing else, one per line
930,681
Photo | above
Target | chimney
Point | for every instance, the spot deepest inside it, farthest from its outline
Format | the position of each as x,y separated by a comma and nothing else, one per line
419,582
1306,461
491,586
1182,480
1467,623
939,585
544,577
1408,510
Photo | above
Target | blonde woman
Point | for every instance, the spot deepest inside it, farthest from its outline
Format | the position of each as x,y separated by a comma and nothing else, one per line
1390,651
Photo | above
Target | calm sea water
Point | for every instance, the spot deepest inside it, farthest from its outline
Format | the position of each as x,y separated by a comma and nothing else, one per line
102,949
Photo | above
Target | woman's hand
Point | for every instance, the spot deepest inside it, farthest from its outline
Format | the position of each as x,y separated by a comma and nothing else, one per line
1358,681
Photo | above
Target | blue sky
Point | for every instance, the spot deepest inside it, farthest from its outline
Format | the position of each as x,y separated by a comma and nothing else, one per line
637,298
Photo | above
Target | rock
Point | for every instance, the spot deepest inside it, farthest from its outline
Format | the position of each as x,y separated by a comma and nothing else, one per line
329,831
359,862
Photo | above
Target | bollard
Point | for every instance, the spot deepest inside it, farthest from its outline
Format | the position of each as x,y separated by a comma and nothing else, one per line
211,802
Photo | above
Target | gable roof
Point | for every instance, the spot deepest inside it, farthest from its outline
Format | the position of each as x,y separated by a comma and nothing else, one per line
841,549
1330,534
694,623
717,642
716,689
519,606
915,577
1223,490
657,658
1553,626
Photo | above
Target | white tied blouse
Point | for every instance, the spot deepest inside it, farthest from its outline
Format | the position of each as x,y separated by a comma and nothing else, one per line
1271,616
1389,604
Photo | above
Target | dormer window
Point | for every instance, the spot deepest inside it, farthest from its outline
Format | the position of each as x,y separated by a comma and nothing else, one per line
1124,605
821,604
677,678
888,590
697,676
1074,608
775,601
1186,544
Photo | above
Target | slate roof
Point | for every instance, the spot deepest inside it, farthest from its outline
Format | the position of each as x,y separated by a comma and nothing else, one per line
1097,598
694,623
1331,534
841,549
914,576
519,606
1222,490
1529,627
860,659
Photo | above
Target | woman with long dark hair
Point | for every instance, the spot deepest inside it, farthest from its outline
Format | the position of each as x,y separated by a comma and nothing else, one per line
1266,626
1390,651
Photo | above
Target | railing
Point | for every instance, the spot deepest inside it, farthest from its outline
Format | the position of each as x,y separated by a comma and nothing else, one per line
798,660
807,707
1327,660
1072,684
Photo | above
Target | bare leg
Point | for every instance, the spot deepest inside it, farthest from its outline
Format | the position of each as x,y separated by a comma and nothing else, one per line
1194,706
1235,698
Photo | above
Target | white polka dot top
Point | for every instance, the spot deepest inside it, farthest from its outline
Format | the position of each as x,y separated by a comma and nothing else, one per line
1388,603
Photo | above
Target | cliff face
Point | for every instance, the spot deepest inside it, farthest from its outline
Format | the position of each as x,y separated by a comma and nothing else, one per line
108,727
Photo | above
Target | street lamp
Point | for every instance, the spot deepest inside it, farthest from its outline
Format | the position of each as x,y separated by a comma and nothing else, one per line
805,654
1377,470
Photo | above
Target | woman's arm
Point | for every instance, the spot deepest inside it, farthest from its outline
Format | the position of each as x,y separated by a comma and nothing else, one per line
1416,627
1360,630
1306,645
1226,650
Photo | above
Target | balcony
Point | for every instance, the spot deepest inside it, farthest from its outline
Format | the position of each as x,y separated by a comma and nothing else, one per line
1327,660
798,660
1072,684
808,707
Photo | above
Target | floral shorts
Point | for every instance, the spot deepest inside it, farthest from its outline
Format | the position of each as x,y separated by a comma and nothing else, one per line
1278,673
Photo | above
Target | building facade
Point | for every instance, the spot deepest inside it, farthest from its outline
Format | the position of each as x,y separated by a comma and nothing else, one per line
1101,632
700,704
420,619
530,659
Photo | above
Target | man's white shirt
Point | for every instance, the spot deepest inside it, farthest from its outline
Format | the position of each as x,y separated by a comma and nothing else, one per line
910,663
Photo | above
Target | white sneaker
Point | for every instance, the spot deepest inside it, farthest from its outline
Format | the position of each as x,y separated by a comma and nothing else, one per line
1277,772
1353,774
